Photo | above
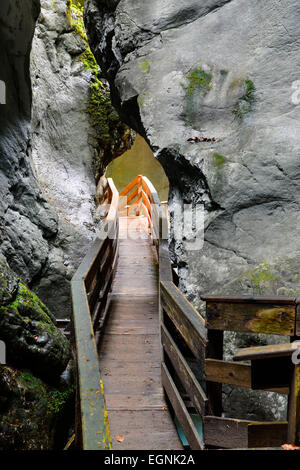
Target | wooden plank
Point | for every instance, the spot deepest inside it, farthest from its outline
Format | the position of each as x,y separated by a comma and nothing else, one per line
235,374
129,187
143,430
185,374
294,408
129,198
225,432
94,423
214,350
181,412
228,372
297,317
271,434
185,317
130,357
255,317
266,352
231,433
249,299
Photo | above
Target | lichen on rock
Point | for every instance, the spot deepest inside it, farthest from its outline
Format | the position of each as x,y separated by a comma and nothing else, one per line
113,136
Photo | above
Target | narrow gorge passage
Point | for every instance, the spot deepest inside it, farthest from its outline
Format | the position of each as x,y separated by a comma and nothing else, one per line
130,350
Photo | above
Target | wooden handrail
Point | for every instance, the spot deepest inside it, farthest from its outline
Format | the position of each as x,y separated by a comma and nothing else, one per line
90,288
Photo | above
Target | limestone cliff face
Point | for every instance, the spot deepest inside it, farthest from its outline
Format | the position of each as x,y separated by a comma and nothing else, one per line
226,71
27,222
58,132
223,70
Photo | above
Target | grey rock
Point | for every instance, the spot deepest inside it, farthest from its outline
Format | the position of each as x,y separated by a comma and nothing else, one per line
49,149
28,329
223,70
33,414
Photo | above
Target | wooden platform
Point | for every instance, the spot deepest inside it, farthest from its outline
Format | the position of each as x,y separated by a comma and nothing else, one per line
130,350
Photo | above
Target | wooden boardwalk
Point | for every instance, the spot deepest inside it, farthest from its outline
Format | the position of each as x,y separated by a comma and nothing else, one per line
130,349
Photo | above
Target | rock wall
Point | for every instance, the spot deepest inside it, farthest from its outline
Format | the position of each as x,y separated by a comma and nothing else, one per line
223,70
224,75
33,393
27,222
58,131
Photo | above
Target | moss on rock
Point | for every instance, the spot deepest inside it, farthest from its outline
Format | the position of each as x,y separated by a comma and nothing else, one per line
113,136
32,412
246,102
28,329
198,81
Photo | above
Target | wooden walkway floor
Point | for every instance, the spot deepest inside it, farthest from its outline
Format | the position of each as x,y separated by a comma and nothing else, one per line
130,349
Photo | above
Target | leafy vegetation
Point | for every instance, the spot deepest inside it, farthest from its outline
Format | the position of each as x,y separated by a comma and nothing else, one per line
247,100
198,80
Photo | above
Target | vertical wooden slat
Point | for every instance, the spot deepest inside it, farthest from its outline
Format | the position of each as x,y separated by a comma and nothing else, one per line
186,422
294,408
214,350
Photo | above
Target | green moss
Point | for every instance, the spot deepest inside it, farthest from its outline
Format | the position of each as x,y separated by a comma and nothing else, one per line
198,81
103,116
57,399
246,103
52,399
219,160
145,66
26,300
33,382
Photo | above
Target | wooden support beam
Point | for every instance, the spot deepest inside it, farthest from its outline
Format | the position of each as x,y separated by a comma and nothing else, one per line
182,414
228,372
250,299
129,187
270,351
294,408
236,374
231,433
253,317
214,350
297,332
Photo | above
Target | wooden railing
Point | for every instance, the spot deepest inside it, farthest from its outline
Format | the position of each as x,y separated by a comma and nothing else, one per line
271,368
90,288
193,369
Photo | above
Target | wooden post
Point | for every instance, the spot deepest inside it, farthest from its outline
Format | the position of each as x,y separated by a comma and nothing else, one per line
139,196
214,350
294,408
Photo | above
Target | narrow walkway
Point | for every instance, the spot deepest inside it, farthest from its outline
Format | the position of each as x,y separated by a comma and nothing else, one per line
130,350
